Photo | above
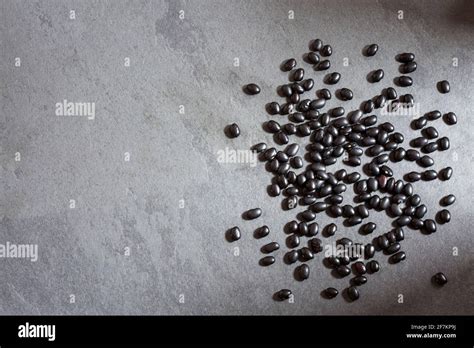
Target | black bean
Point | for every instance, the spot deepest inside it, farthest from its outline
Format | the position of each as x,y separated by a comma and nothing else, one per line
444,216
260,147
285,91
233,234
288,64
405,57
345,94
354,220
302,272
408,68
404,81
326,50
413,177
369,251
429,226
420,211
281,138
273,108
377,75
391,93
393,248
359,268
396,258
433,115
412,155
317,104
274,190
283,294
330,229
443,86
399,235
430,133
233,130
445,173
420,122
253,213
267,261
333,261
443,143
425,161
440,279
262,232
429,175
373,266
286,108
305,254
448,200
298,74
315,245
371,50
369,120
323,65
383,242
297,88
252,89
359,280
312,58
308,84
293,241
295,98
272,126
450,118
353,293
331,293
333,78
270,247
380,101
343,270
368,106
399,154
337,112
291,256
316,45
324,93
430,147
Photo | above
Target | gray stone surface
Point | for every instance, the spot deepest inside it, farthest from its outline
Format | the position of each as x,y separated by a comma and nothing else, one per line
136,204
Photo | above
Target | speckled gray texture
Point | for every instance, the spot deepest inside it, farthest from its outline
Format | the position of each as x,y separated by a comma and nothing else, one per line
181,250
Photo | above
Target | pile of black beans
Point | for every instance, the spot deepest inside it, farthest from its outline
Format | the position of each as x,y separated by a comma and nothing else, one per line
307,181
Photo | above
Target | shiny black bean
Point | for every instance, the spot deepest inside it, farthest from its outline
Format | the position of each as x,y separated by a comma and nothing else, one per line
343,270
430,133
398,257
443,143
383,242
377,75
404,81
430,147
380,101
425,161
408,68
433,115
412,155
291,256
345,94
448,200
373,266
252,89
267,261
337,112
272,126
353,293
445,173
286,108
354,220
429,226
444,216
298,74
391,93
305,254
398,154
284,294
450,118
371,50
233,234
413,177
368,106
429,175
274,190
270,247
443,86
393,248
333,78
440,279
262,232
326,50
308,84
302,272
233,130
316,45
253,213
369,251
420,211
313,58
323,65
273,108
419,142
331,293
288,64
405,57
420,122
359,280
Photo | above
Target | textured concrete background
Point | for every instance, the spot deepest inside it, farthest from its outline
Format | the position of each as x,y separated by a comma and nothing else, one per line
179,250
